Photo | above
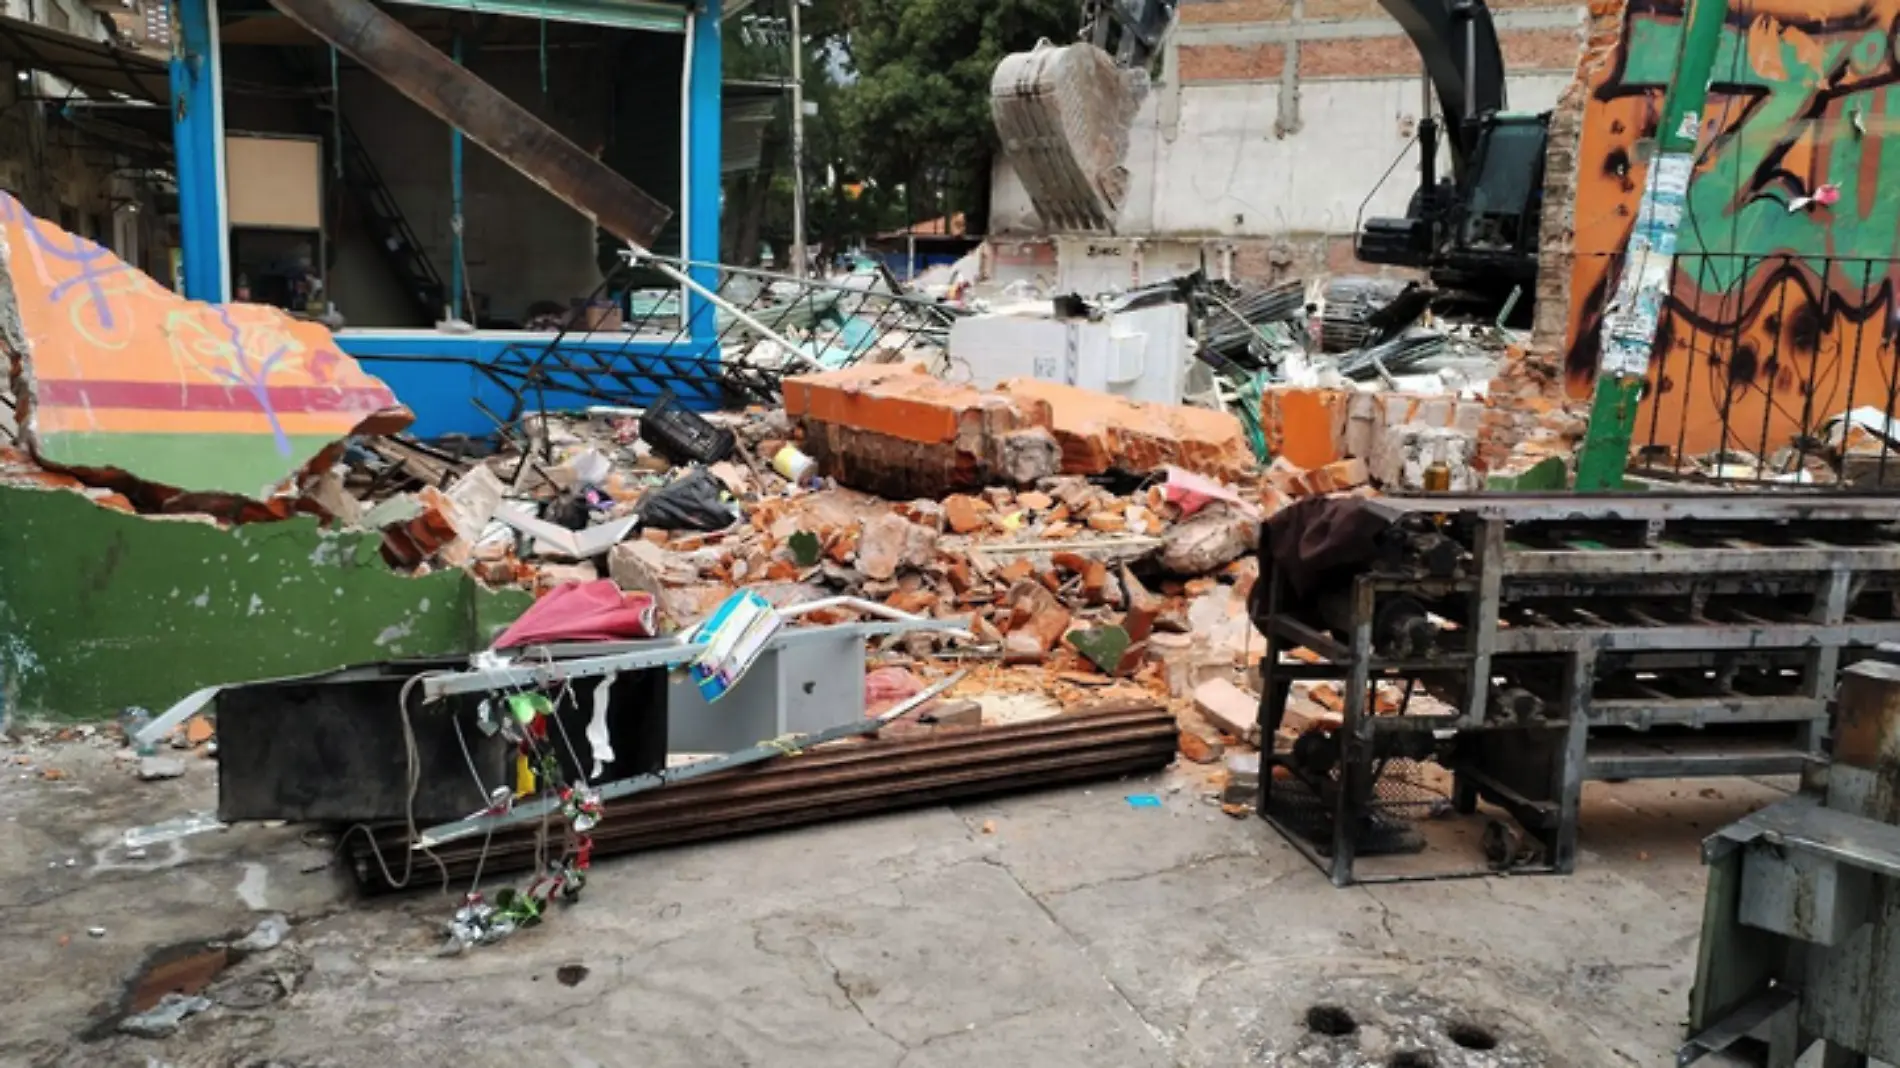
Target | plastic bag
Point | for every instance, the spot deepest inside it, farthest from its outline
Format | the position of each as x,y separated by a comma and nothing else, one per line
694,501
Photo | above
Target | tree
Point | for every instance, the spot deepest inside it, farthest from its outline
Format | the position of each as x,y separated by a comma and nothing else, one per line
917,111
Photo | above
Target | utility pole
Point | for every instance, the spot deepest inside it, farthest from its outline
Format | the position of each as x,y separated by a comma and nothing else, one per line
1649,261
798,144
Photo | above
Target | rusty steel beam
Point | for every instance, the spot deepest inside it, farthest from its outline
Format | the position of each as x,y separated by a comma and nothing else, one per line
845,780
420,71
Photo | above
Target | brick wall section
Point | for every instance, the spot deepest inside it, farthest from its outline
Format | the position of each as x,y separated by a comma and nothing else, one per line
1207,12
1533,415
1232,63
1364,57
1217,11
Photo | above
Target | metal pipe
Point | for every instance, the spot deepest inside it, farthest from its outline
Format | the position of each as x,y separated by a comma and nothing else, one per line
798,144
419,71
455,204
875,776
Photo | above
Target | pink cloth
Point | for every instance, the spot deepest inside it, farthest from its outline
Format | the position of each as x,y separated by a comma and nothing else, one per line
1193,492
582,612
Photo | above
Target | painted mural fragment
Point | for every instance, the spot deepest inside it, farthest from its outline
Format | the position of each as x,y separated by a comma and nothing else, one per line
1782,313
115,373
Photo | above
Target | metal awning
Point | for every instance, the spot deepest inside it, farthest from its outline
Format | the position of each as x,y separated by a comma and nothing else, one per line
747,111
95,66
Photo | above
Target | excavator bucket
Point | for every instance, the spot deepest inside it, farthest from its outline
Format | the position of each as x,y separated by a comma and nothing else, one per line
1064,114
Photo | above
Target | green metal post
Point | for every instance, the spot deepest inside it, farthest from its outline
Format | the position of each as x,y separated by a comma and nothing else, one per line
1629,327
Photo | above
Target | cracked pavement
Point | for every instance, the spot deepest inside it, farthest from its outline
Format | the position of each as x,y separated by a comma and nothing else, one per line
1078,931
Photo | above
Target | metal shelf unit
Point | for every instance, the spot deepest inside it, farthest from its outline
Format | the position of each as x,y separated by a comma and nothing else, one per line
1572,638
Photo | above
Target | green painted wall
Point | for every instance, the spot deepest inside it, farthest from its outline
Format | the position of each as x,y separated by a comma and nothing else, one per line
100,610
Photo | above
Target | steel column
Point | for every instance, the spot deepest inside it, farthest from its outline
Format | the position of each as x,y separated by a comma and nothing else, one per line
198,146
700,229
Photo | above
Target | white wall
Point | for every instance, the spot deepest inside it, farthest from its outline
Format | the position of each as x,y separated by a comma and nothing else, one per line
1222,172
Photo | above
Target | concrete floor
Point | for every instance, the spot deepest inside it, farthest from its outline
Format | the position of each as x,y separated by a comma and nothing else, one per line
1066,928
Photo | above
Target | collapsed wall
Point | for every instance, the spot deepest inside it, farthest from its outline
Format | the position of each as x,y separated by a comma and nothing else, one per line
148,545
180,405
1535,415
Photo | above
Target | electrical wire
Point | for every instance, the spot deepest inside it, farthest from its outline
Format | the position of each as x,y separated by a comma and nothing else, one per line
412,783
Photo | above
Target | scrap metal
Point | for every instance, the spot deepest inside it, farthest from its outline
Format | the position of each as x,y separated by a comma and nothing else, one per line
1801,921
860,778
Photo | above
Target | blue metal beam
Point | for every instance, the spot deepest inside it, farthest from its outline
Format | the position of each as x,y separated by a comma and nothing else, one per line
198,143
457,284
701,188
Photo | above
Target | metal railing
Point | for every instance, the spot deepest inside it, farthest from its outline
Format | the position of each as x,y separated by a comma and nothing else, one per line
728,341
1767,369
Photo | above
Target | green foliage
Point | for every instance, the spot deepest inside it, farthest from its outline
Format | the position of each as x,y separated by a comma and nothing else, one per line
921,99
901,89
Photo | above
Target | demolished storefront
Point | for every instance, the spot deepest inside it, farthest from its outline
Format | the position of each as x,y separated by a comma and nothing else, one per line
334,161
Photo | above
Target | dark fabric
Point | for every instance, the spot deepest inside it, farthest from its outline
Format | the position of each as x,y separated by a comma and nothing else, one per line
693,501
1315,540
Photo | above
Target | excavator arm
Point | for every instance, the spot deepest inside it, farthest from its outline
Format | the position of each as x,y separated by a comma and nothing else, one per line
1063,114
1458,43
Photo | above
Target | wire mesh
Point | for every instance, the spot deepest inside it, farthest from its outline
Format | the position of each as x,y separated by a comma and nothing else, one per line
1767,369
1400,797
640,333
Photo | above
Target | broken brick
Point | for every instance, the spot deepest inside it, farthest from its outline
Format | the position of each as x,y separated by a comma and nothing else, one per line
1101,432
880,546
1213,537
1340,476
964,513
1306,426
917,602
1035,611
1198,749
894,430
1035,501
1107,522
1229,708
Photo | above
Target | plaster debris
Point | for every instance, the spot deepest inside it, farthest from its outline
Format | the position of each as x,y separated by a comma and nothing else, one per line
152,768
163,1019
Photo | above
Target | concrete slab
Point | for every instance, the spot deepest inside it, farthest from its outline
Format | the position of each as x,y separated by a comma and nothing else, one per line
1059,929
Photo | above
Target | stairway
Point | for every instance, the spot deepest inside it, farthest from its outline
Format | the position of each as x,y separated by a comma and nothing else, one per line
382,216
390,227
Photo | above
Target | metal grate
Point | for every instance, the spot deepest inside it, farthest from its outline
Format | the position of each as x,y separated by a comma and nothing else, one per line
1399,799
1758,360
641,334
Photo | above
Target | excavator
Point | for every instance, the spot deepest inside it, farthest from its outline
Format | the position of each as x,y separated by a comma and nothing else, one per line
1064,115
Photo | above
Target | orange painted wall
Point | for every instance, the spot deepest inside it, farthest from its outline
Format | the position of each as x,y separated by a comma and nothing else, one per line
1781,315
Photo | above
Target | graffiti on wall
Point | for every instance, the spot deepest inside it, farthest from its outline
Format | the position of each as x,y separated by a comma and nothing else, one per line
1782,310
115,372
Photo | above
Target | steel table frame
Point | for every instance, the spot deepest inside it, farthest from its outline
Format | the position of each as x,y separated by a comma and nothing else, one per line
1570,661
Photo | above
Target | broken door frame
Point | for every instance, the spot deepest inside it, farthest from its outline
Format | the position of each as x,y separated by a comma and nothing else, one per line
431,370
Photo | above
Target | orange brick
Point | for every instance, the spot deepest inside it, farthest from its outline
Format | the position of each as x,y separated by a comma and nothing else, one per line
899,401
1306,426
1099,432
1232,63
1219,11
1394,55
